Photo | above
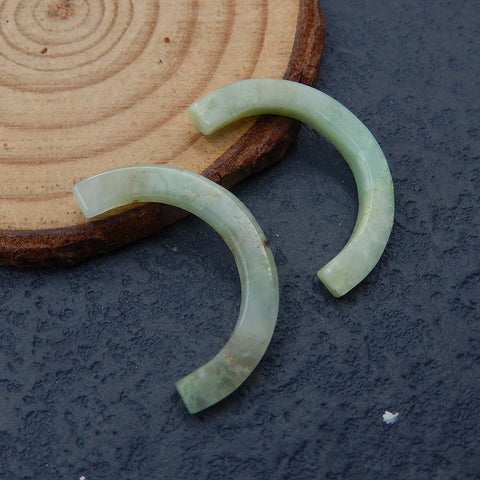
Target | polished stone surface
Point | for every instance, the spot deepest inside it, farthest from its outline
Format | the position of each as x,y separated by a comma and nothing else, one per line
223,211
88,354
350,136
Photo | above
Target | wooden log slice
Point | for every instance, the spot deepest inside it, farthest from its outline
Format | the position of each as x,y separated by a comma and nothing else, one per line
88,85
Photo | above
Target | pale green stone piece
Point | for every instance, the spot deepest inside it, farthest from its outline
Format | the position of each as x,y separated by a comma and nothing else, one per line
349,135
232,220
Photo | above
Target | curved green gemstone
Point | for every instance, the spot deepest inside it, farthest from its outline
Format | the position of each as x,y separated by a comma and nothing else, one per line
349,135
233,221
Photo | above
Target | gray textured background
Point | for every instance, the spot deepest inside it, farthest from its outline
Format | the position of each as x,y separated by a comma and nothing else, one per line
88,355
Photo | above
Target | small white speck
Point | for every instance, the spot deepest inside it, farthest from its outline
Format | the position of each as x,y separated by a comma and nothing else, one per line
83,478
389,417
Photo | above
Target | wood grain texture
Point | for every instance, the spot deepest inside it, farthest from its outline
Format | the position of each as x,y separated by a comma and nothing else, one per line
87,85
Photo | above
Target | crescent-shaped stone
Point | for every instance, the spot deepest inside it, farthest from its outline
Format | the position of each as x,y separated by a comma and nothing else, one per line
349,135
233,221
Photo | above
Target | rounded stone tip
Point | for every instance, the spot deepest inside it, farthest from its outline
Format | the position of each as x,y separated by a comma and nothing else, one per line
190,403
332,286
198,119
81,200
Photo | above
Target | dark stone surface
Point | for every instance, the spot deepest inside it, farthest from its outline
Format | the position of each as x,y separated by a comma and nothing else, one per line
88,355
